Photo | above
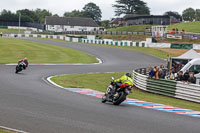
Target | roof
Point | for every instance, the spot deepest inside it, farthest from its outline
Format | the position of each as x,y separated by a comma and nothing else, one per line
136,16
174,20
191,54
71,21
116,20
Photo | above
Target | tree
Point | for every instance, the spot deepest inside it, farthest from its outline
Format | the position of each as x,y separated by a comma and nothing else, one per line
189,14
174,14
197,14
105,23
93,11
74,13
56,15
28,15
131,7
41,14
7,15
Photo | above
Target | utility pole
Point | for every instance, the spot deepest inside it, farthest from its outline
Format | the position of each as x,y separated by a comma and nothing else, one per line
19,21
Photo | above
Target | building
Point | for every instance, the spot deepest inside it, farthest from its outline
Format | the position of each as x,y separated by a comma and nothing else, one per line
133,19
62,24
116,22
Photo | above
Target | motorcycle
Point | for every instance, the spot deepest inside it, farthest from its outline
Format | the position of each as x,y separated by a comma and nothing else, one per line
116,93
21,66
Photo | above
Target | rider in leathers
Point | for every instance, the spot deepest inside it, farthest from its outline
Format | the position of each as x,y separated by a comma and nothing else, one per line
125,79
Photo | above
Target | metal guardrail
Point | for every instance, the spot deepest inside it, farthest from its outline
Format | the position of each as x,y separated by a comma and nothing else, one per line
181,90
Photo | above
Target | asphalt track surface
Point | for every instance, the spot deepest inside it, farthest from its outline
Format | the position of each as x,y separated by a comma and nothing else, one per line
29,103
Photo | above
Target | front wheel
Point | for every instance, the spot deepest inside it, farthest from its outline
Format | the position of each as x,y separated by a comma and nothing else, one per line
104,99
120,99
18,69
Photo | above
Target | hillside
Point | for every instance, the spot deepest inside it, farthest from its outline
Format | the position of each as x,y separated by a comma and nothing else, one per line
193,27
132,28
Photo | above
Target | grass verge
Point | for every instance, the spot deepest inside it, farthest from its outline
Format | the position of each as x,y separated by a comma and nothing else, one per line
11,50
11,30
6,131
126,37
132,28
100,81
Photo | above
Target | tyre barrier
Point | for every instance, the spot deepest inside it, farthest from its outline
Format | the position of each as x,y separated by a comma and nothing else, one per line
171,88
147,43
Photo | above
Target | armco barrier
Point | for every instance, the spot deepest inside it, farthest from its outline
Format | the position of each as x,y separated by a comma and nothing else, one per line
181,90
140,81
161,86
189,92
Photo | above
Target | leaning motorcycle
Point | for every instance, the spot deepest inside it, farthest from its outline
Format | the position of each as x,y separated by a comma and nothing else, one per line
117,95
20,67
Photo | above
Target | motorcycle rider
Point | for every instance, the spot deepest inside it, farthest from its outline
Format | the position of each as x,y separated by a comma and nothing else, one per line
23,62
125,79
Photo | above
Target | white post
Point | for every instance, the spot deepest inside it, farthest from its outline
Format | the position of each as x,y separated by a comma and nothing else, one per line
19,21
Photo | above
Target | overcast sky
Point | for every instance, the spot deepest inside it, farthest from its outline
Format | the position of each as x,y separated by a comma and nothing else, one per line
157,7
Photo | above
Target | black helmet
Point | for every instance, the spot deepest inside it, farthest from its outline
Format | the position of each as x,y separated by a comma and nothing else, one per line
128,74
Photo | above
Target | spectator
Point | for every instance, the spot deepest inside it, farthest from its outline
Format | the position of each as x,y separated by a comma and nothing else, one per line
152,72
157,72
186,75
176,30
161,74
192,79
183,31
162,66
180,76
171,75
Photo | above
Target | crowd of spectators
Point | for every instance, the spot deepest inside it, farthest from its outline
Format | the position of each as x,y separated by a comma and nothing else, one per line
159,72
176,31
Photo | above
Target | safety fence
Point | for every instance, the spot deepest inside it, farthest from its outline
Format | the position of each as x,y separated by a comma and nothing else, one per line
165,87
146,43
102,33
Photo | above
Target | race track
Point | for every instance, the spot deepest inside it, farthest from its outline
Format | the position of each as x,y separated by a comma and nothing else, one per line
29,103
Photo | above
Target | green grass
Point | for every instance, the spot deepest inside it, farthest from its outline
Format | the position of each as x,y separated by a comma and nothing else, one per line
6,131
193,27
132,28
125,37
11,50
100,81
11,30
150,51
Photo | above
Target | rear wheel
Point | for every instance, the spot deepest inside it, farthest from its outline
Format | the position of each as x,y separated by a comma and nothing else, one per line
120,98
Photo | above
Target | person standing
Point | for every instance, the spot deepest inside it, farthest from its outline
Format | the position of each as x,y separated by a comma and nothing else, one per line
192,79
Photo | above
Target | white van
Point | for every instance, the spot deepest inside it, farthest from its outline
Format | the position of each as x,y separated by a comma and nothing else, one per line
193,66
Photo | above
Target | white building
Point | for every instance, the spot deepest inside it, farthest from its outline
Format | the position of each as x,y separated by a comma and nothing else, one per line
62,24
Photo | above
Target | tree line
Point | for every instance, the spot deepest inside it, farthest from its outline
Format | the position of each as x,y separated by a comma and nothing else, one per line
93,11
34,16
